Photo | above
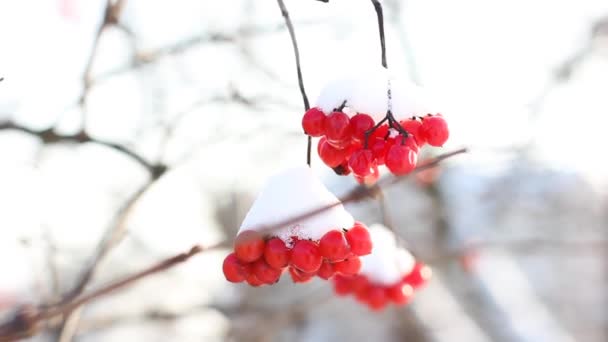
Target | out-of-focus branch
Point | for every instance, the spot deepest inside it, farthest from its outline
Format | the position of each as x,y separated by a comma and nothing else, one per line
296,51
26,322
110,17
49,136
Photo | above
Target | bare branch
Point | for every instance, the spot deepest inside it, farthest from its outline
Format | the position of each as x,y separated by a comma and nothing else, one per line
49,136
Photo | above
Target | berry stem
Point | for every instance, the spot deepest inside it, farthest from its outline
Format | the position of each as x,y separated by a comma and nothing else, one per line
378,8
296,51
372,130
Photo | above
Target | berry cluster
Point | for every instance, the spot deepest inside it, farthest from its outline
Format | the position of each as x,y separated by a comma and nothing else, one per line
259,261
359,145
377,296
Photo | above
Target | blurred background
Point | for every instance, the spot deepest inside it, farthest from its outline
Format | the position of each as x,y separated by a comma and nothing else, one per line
131,130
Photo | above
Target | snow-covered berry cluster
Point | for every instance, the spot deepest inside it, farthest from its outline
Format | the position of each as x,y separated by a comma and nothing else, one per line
325,244
388,275
260,260
363,124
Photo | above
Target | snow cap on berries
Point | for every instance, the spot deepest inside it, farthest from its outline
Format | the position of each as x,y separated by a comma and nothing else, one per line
291,193
367,92
388,263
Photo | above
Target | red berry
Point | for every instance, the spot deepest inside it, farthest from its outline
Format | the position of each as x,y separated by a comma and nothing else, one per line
360,124
361,162
400,293
376,298
249,246
253,280
330,155
419,275
326,270
298,276
265,273
361,287
401,159
413,126
276,253
333,246
337,129
379,149
435,130
306,257
342,285
359,240
233,269
350,266
380,133
342,169
369,179
313,122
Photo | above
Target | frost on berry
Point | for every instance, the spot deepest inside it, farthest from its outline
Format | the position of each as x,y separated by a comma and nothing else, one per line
388,275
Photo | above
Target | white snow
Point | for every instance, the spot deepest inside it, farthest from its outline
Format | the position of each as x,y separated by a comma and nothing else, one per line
290,193
366,91
388,262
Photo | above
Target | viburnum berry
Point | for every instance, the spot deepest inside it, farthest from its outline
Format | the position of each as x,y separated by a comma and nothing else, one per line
413,126
333,246
379,149
298,276
330,155
349,266
305,256
249,246
381,132
337,129
359,240
401,159
369,179
233,269
326,270
361,162
342,169
360,124
264,272
276,253
435,130
418,276
253,280
313,122
342,285
376,298
400,293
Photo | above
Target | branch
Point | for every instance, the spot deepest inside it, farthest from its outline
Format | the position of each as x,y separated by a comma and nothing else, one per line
378,8
296,51
26,322
49,136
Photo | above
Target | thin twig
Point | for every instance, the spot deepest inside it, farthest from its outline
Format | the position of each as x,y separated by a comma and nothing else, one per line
26,321
296,51
49,136
378,8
